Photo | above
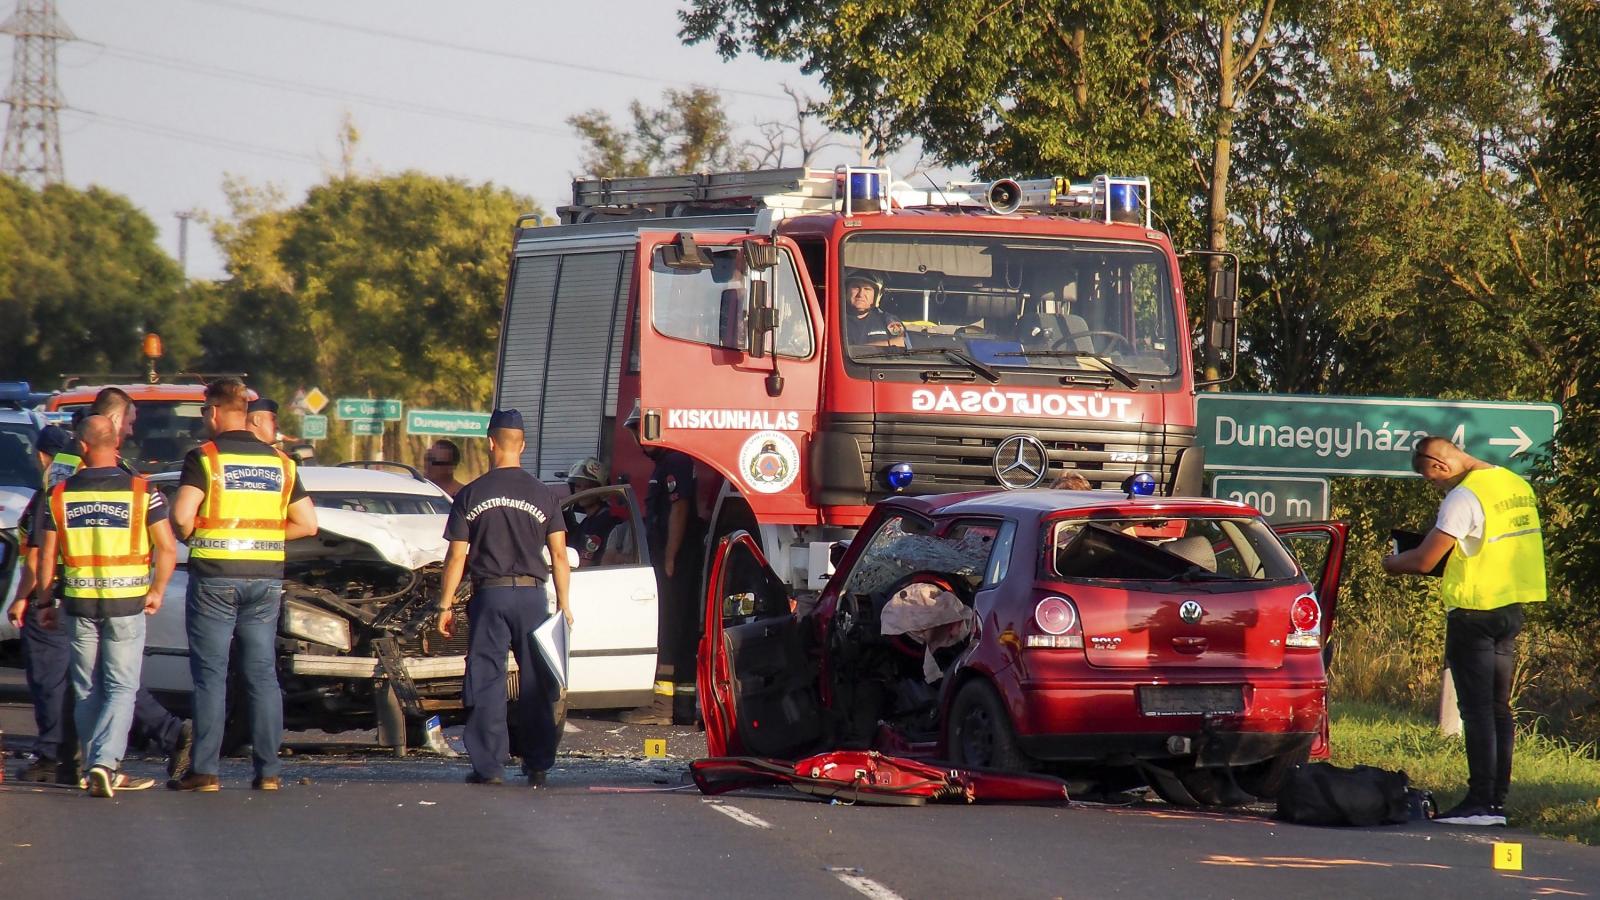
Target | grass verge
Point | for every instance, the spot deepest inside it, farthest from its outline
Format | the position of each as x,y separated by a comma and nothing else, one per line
1555,785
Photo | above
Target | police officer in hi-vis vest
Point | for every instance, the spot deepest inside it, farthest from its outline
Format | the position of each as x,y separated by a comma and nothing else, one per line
1488,525
107,526
239,501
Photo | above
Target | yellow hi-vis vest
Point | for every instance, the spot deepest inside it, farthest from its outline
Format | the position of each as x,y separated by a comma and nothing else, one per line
1509,565
246,506
104,544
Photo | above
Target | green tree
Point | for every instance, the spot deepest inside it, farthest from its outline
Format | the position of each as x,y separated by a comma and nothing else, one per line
688,132
81,280
385,286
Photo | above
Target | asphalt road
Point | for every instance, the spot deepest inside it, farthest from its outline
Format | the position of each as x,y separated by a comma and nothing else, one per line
352,821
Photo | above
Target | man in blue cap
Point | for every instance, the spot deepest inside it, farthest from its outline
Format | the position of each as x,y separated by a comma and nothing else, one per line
506,534
261,418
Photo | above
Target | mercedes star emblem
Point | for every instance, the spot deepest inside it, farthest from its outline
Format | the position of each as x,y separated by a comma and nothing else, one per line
1020,462
1190,611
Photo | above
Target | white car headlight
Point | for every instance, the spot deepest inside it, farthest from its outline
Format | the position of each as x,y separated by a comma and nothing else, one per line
313,624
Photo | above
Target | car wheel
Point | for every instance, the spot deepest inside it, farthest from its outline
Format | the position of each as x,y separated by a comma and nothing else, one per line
979,732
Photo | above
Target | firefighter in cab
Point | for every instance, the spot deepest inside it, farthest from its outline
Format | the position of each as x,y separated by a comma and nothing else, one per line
590,520
867,325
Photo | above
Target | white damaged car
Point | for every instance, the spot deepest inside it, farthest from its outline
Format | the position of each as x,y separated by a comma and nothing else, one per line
357,647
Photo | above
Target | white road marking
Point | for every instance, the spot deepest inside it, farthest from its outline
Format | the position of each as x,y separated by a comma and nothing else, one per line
740,816
863,885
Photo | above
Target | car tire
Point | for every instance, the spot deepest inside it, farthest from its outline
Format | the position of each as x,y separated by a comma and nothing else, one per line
979,734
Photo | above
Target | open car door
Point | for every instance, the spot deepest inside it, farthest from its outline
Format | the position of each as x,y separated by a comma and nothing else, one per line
1319,548
757,680
612,657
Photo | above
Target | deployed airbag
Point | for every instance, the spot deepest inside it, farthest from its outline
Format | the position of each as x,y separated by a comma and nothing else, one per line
932,615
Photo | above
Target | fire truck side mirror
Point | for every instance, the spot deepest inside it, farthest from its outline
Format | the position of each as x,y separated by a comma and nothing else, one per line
684,253
759,256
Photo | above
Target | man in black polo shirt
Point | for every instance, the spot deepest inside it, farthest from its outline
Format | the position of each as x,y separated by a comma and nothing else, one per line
506,534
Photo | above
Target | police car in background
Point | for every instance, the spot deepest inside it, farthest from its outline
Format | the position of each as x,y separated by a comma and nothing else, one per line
356,642
19,478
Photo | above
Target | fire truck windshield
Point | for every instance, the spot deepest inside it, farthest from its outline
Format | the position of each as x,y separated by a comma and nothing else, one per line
1009,302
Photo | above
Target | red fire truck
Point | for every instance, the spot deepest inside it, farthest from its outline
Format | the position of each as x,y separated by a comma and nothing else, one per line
1034,328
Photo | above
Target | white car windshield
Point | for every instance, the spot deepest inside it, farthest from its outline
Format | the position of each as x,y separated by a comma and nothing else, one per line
382,503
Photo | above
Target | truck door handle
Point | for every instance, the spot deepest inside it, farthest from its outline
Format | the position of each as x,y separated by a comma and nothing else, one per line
642,597
1192,645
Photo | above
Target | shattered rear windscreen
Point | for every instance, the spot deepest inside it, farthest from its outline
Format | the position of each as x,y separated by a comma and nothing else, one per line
1168,548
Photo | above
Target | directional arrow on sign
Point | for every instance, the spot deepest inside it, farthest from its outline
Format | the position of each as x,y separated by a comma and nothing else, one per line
1522,442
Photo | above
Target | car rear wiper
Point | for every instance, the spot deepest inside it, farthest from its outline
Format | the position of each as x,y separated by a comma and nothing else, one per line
1122,375
1200,573
989,375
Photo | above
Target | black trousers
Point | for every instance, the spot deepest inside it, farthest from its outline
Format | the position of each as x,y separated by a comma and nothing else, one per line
501,619
1480,647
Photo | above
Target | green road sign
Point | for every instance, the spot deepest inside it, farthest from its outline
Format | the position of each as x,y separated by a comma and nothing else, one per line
366,426
313,428
1281,498
350,408
1308,434
451,423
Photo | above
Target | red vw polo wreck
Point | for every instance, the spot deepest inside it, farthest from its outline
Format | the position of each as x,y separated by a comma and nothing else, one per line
1174,642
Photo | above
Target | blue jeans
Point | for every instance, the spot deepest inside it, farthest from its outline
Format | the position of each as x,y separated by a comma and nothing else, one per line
107,655
499,619
220,609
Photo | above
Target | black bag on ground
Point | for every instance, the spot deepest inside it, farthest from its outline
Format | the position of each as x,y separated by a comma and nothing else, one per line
1323,794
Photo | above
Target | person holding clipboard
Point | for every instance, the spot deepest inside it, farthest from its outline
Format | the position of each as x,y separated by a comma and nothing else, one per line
500,528
1487,538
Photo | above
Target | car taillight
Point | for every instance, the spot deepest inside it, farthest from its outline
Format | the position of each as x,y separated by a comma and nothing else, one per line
1305,622
1057,620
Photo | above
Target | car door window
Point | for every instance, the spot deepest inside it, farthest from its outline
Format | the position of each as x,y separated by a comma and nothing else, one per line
748,589
603,527
1310,549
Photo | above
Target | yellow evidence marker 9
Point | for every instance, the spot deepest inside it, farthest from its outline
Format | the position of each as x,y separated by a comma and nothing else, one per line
656,748
1508,857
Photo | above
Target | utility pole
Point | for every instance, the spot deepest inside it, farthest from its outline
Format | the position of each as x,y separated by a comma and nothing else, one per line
183,242
32,150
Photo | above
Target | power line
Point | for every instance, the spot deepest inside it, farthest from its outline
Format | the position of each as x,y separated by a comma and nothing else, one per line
194,137
313,90
653,78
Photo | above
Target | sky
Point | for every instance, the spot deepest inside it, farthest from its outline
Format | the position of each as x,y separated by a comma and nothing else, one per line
166,98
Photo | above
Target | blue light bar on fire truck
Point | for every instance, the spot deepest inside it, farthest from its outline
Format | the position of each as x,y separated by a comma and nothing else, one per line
1107,198
863,189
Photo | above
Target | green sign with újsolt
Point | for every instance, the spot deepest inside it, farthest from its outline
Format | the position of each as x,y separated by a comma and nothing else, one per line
450,423
1309,434
313,428
354,408
366,427
1281,498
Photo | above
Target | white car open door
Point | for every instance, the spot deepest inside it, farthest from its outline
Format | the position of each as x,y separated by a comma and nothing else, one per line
612,657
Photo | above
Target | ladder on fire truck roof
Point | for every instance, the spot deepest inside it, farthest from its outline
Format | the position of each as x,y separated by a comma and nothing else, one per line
843,189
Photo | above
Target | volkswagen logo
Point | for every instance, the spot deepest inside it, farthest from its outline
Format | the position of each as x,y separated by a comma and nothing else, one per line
1190,611
1020,462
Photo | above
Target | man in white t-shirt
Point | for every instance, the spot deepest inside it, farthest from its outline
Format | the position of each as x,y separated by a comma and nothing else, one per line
1488,527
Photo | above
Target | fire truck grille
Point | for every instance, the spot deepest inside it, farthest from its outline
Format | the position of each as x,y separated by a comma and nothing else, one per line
959,453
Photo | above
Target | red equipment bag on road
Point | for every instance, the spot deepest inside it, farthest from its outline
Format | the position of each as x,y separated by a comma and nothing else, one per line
867,776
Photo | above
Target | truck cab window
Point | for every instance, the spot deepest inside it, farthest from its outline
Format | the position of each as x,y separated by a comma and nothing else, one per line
708,306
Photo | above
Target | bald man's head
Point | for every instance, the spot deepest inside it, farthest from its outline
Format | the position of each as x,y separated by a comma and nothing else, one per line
1441,462
99,437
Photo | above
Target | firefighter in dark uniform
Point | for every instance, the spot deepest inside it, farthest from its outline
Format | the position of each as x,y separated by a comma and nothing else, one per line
866,325
589,522
674,534
506,534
